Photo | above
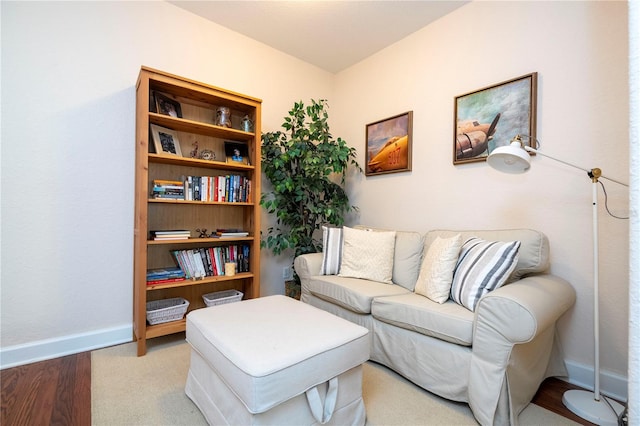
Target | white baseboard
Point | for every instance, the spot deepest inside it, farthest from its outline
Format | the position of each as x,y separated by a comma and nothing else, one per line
41,350
611,384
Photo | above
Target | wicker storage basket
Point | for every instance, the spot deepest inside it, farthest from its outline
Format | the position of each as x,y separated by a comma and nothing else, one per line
165,310
222,297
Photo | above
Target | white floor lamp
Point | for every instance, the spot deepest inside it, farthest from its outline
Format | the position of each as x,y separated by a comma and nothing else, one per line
515,158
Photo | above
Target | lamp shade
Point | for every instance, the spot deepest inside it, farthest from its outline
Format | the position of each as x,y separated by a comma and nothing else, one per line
510,159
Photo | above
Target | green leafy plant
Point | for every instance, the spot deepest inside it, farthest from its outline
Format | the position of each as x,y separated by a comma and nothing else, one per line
307,168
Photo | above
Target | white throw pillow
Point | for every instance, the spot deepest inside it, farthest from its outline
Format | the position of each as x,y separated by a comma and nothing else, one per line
436,272
483,266
367,254
331,250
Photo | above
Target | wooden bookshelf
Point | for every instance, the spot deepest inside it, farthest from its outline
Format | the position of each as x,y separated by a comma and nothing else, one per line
194,127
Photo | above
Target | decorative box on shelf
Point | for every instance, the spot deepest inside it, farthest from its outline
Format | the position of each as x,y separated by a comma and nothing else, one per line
222,297
165,310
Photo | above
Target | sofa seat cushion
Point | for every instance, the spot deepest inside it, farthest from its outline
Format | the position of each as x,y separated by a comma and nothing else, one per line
354,294
448,321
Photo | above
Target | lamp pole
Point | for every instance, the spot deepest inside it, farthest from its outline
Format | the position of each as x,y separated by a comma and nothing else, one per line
588,405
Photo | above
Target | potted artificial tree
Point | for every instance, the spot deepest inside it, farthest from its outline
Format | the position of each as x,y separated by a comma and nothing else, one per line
306,167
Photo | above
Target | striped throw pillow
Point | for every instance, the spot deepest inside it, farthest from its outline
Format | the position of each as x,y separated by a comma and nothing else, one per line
331,250
482,266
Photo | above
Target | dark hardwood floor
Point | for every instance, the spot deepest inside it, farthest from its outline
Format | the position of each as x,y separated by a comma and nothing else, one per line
549,396
58,392
54,392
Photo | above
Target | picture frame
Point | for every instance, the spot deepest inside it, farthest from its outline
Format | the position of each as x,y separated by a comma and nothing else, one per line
165,140
389,145
490,117
236,152
167,106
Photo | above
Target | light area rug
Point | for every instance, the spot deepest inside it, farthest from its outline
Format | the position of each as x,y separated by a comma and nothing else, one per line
149,390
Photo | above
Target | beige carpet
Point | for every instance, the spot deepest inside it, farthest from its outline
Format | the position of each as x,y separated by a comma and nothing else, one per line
149,390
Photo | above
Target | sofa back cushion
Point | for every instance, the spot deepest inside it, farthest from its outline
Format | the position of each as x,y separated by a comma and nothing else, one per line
407,257
534,247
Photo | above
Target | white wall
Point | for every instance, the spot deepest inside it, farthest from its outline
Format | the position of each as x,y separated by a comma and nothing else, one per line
68,116
634,167
68,75
579,50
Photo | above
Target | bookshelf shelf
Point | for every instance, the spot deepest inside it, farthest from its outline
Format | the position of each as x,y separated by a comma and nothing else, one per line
166,328
225,240
206,280
172,159
193,128
198,203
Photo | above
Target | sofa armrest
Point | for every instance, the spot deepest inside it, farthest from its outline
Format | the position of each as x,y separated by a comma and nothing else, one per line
514,314
518,312
307,265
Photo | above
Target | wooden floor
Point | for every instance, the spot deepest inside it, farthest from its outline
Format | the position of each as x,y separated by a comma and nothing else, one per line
55,392
58,392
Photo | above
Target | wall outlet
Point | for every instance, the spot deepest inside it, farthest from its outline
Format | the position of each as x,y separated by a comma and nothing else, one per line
287,273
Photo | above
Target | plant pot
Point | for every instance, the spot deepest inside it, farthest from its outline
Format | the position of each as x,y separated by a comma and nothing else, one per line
292,289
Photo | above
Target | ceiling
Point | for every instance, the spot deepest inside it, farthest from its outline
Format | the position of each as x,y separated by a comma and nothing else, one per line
332,35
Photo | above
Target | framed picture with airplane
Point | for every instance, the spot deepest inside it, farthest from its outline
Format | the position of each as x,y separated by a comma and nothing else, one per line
491,117
388,145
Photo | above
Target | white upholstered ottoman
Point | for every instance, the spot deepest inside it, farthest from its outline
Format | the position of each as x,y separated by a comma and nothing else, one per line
275,360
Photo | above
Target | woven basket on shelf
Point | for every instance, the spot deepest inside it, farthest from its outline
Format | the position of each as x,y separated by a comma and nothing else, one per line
165,310
222,297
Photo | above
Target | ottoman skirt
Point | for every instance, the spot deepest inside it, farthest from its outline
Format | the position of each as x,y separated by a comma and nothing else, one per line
220,405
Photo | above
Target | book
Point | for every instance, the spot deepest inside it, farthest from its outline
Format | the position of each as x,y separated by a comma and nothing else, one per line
212,257
199,265
221,186
179,258
167,182
206,260
165,281
218,261
165,273
188,188
170,238
196,188
188,260
245,258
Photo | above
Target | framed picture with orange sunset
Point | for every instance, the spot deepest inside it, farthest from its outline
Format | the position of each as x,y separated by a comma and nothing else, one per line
388,145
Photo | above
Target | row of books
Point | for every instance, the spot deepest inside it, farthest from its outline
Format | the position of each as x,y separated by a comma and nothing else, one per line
209,261
165,275
229,188
168,189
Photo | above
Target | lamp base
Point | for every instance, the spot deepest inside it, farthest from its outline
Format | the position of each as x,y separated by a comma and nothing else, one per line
584,404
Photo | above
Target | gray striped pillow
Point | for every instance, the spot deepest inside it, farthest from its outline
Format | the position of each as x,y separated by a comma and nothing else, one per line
482,266
331,250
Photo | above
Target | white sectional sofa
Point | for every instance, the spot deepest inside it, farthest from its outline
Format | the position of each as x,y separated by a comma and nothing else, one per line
493,358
